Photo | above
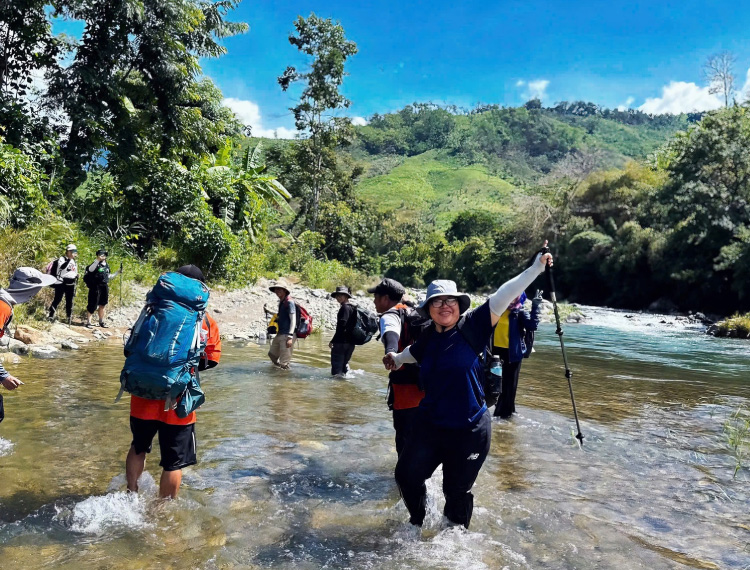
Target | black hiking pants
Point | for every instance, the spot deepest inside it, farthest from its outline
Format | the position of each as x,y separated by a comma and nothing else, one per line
66,290
341,354
403,421
506,404
461,452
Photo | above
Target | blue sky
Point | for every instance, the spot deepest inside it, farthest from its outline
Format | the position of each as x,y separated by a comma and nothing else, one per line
645,54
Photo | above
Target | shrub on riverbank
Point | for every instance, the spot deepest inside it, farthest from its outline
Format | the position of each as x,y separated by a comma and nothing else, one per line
737,326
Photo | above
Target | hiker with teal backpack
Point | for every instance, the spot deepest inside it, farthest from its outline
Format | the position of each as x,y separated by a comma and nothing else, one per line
354,326
173,340
454,428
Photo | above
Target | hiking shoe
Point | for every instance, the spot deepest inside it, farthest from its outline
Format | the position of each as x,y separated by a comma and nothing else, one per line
103,325
89,326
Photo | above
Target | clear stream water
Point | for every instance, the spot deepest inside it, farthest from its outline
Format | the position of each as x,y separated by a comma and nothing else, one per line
296,468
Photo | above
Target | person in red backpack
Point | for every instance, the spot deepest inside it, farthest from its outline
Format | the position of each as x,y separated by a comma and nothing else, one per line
282,345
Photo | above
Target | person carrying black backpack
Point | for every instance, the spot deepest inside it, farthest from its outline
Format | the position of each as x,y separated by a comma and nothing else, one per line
97,278
342,344
400,326
65,270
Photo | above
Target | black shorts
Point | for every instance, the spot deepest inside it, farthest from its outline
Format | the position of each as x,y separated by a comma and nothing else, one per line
177,443
98,297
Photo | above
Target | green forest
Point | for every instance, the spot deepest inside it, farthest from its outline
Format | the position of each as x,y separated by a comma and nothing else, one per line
130,147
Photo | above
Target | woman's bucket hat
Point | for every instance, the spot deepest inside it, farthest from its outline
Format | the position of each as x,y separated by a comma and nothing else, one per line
444,288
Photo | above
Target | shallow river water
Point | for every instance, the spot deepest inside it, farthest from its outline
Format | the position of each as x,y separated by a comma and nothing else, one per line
295,468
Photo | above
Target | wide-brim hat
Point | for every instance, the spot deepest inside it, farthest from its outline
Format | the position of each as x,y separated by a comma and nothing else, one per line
444,288
278,285
341,290
27,282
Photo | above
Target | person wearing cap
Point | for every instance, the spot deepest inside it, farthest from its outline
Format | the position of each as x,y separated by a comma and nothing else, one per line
282,345
404,391
512,342
453,427
98,278
66,272
25,283
176,435
342,343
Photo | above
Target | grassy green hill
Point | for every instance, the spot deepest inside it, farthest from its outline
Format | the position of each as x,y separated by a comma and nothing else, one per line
433,184
424,160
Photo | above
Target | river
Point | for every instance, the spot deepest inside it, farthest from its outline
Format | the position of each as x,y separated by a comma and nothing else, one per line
295,468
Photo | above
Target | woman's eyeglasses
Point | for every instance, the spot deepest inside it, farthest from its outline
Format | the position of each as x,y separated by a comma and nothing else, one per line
450,302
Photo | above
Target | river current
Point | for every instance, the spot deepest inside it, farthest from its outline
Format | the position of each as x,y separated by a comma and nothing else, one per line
296,469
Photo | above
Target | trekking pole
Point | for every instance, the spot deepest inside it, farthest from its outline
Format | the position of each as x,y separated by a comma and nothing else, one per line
73,303
559,332
121,286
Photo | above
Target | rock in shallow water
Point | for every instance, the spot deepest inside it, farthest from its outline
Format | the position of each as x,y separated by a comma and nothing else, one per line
43,351
18,347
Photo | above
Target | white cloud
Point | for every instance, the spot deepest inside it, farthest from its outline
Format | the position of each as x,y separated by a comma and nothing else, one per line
249,113
681,97
538,88
626,105
744,95
520,83
359,121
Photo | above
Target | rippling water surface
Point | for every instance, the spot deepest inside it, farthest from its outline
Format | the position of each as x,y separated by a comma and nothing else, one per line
295,468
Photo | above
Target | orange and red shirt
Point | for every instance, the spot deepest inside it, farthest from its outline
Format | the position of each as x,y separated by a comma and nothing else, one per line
405,396
6,313
144,409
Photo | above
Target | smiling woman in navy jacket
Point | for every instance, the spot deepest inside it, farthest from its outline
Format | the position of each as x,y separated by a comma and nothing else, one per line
453,427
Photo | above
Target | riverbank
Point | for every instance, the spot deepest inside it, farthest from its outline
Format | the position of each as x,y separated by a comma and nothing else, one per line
240,316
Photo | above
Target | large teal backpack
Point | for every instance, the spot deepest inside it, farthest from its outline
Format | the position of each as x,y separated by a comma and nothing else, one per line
164,348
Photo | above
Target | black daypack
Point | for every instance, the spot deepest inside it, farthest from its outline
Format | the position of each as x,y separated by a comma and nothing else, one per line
484,353
413,325
365,325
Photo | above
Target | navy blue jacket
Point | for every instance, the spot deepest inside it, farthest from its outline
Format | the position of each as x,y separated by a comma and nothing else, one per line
519,322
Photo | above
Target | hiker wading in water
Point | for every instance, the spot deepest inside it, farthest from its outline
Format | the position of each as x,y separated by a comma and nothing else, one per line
282,345
453,427
342,343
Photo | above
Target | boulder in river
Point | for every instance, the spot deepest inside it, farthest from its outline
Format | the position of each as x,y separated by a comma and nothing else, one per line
30,335
18,347
43,351
10,358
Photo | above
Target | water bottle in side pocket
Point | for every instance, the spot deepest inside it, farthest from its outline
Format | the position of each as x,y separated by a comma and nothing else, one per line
494,384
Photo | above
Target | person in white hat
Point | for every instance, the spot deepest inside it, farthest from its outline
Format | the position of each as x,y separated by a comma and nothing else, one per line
25,283
66,271
454,427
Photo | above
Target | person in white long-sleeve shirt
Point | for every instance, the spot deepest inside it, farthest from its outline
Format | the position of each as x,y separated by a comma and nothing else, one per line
66,272
453,428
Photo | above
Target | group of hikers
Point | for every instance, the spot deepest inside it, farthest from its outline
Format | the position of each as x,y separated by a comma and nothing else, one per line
439,384
96,277
436,353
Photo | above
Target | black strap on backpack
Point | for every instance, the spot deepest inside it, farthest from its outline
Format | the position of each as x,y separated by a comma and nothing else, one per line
483,352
